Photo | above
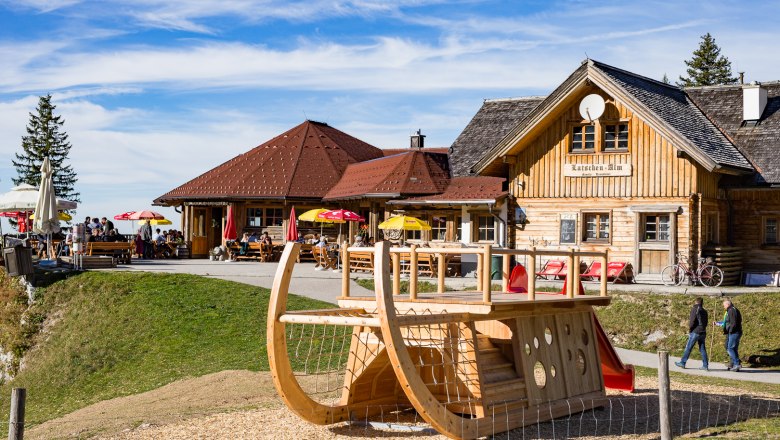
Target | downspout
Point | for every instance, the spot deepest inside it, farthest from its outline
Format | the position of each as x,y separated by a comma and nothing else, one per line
500,220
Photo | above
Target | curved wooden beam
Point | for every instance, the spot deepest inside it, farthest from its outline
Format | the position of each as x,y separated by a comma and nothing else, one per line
278,358
429,407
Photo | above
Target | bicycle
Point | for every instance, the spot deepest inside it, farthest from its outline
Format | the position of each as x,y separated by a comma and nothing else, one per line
706,273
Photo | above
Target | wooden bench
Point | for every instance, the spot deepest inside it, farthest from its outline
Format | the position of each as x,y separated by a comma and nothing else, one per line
306,253
122,251
254,250
361,261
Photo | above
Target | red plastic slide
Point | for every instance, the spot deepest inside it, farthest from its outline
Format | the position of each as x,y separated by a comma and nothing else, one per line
616,375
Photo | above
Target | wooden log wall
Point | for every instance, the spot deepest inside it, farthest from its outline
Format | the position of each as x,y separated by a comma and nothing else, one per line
751,207
728,259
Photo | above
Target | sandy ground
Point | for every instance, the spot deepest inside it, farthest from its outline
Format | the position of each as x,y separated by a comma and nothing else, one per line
243,405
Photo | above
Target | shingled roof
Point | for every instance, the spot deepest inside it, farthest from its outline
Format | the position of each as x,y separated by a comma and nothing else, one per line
672,105
492,122
413,172
304,162
667,108
462,190
760,143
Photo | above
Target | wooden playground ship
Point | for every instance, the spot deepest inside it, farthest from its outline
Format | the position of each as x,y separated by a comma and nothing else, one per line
470,364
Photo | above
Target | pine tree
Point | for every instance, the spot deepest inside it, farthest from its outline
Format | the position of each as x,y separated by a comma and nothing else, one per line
707,67
665,79
45,138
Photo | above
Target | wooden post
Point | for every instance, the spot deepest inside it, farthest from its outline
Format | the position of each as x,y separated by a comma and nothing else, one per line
505,272
396,273
576,275
603,279
442,266
345,270
569,277
532,274
16,419
413,272
664,396
479,271
486,276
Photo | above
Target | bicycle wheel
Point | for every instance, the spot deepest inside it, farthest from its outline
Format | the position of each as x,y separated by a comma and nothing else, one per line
672,275
710,276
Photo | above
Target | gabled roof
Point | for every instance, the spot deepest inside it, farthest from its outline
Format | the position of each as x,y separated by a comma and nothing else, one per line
394,151
492,122
413,172
303,162
664,107
760,143
463,190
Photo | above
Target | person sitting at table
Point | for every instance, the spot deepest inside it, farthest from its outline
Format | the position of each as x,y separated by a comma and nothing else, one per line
252,237
300,238
265,239
316,239
323,242
358,241
245,240
158,238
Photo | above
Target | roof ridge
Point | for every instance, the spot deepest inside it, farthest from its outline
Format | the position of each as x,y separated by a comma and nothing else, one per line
515,98
635,75
297,162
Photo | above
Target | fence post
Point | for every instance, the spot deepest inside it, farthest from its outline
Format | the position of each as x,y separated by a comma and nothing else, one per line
603,278
441,265
505,272
664,396
413,273
345,270
396,273
532,274
570,274
16,419
487,277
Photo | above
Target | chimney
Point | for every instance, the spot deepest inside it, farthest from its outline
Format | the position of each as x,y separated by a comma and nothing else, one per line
417,141
742,77
753,101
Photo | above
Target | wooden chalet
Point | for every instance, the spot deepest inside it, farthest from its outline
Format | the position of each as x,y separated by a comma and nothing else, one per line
662,170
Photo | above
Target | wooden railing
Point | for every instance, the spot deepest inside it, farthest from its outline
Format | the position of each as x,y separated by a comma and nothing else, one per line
484,256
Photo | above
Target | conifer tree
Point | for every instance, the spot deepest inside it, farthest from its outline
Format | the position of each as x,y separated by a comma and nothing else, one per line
665,79
707,67
45,138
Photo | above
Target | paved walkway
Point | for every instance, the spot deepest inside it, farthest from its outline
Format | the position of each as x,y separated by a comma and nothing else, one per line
326,286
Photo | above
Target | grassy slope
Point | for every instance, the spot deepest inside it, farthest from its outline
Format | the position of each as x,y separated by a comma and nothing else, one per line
115,334
633,316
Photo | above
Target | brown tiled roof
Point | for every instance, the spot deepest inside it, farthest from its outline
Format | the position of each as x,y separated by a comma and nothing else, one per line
758,142
463,190
413,172
393,151
304,162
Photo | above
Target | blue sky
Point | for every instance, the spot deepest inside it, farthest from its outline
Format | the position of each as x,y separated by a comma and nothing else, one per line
155,92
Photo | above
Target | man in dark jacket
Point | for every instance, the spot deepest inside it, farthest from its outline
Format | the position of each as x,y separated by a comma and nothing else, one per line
697,328
732,328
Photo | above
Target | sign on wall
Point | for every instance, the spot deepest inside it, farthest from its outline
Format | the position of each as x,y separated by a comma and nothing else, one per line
596,169
568,233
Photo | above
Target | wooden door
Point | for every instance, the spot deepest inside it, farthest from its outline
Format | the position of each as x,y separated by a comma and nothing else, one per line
653,261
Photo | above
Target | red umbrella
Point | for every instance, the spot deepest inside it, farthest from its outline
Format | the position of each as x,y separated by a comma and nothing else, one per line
341,215
124,216
146,215
292,227
230,233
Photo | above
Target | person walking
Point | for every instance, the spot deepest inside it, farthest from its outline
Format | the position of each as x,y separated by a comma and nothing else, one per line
732,328
146,237
697,333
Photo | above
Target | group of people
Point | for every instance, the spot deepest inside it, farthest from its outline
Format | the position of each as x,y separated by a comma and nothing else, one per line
101,229
731,324
147,240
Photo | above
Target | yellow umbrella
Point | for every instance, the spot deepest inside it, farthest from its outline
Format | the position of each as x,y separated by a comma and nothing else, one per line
311,216
162,222
64,216
406,223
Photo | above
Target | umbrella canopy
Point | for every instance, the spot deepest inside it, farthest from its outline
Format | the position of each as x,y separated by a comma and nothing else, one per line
161,222
64,216
341,215
292,227
230,233
124,215
24,197
46,220
312,215
406,223
146,215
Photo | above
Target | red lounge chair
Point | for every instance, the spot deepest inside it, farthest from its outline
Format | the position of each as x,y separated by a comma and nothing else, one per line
619,271
551,268
518,280
561,275
593,272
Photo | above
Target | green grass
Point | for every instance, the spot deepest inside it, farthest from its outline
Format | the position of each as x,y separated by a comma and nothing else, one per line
632,317
113,334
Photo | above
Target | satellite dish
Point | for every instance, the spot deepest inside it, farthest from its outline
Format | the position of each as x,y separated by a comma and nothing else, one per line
592,107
